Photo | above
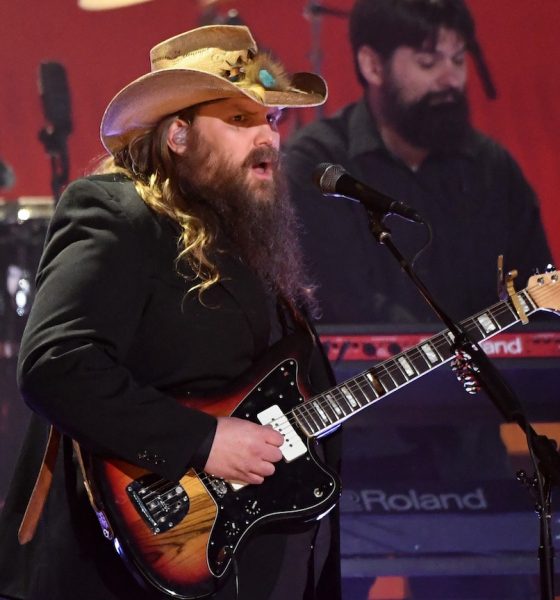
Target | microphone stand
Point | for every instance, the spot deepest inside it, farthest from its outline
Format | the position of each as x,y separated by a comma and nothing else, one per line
311,12
55,143
489,378
314,12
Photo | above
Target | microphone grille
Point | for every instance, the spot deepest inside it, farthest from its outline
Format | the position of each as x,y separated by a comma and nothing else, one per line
326,176
55,96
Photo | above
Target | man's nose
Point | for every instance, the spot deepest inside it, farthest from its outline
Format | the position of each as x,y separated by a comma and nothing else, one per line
266,135
452,76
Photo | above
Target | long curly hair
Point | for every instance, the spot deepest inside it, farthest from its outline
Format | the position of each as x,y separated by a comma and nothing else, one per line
153,167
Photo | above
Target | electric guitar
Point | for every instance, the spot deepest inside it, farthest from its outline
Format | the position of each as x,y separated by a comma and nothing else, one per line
182,536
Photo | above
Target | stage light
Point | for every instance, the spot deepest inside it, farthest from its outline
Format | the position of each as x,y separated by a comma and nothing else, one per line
107,4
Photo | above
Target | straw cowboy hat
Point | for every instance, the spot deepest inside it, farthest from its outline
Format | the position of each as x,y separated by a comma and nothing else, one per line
208,63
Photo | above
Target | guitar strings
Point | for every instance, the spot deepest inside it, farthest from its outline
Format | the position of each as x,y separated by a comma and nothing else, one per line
154,488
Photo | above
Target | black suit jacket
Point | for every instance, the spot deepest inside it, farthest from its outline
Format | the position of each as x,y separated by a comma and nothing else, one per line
112,337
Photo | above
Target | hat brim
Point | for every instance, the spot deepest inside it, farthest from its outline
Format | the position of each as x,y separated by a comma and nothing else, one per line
144,102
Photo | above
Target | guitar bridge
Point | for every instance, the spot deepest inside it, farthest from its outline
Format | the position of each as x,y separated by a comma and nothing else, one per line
161,503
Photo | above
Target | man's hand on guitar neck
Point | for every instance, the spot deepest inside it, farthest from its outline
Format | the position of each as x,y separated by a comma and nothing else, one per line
243,451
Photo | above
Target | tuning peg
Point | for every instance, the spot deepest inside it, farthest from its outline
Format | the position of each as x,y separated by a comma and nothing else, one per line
550,268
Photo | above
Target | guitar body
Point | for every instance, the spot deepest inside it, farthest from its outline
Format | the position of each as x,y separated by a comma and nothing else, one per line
181,536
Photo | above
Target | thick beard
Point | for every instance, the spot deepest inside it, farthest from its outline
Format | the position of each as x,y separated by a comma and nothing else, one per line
439,121
257,217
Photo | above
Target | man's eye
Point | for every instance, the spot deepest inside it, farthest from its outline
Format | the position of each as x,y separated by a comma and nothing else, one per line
426,62
238,118
459,60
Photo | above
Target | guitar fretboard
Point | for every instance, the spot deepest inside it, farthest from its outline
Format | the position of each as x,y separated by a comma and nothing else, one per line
327,410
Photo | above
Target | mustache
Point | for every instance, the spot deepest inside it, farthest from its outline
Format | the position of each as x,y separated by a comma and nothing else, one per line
262,154
450,96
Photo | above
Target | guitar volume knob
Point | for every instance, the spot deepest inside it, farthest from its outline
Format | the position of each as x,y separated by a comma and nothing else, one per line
231,529
253,507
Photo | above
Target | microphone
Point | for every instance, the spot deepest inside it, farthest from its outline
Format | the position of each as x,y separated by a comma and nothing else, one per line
335,181
55,97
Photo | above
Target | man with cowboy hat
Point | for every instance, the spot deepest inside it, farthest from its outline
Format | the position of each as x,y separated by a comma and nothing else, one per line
168,274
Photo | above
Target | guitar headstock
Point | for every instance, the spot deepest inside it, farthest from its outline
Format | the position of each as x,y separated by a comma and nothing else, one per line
544,289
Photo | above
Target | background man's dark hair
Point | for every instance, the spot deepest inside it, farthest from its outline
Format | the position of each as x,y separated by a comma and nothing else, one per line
384,25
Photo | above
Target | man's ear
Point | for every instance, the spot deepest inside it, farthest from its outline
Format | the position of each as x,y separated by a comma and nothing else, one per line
177,136
370,65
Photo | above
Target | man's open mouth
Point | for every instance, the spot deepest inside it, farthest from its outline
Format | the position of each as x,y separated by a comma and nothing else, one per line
263,168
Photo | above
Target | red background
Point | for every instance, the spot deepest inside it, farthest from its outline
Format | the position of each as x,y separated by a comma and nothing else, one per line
102,51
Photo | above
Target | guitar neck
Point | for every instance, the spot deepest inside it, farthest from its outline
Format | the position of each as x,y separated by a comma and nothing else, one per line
326,411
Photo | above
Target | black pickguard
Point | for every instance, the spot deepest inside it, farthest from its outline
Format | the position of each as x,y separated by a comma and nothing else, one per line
303,488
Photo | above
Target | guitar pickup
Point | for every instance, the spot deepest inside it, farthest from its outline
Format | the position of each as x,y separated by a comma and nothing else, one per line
293,446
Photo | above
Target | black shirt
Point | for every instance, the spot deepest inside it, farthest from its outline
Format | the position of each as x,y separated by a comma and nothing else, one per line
476,200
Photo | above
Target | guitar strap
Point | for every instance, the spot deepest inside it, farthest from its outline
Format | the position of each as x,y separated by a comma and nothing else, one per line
41,489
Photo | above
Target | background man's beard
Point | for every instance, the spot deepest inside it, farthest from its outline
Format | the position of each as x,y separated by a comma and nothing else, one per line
438,122
256,216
